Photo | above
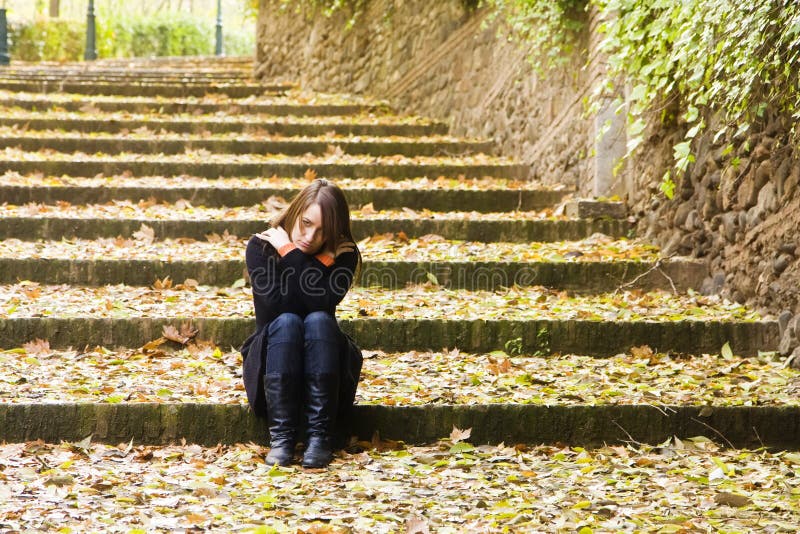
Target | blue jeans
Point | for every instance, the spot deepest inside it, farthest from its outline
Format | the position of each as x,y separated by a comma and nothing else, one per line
303,346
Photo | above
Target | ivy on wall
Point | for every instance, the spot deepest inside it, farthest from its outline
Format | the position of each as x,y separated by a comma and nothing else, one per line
730,59
735,59
551,28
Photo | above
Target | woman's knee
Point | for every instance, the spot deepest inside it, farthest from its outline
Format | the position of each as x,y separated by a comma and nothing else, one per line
320,325
287,325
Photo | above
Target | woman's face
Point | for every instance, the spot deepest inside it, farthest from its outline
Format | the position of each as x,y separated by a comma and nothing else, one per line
307,231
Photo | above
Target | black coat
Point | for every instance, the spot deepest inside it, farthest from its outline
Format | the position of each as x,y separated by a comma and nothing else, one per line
275,282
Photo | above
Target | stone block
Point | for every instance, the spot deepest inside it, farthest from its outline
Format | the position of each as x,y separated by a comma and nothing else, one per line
592,209
768,198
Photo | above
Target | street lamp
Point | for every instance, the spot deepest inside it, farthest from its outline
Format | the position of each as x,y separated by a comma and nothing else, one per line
91,44
218,50
4,58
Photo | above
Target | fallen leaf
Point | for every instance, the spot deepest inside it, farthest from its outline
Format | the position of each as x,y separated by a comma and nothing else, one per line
460,435
731,499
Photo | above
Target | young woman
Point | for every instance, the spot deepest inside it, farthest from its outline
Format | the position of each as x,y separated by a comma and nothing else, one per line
298,365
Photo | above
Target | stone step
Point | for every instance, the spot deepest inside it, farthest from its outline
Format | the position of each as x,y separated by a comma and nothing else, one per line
584,426
125,77
596,265
57,226
166,371
650,390
208,62
580,277
480,195
215,165
172,107
263,125
158,144
236,90
384,486
596,338
525,319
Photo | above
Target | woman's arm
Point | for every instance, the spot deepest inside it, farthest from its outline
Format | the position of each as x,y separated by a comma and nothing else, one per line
265,271
321,282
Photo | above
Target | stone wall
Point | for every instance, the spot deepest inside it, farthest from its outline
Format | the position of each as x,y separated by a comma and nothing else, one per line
442,60
738,208
439,59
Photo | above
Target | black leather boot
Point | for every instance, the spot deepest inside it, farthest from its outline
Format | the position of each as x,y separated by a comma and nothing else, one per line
282,413
322,400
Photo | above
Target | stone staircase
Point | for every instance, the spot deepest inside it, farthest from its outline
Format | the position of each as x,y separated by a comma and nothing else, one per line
130,187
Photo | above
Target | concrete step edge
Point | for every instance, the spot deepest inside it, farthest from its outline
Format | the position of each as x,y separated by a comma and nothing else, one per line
419,198
582,425
568,336
582,277
517,231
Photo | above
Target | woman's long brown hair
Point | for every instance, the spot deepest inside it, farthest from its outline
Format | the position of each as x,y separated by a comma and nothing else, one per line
335,215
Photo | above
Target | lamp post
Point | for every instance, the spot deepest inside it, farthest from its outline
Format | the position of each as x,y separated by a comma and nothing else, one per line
91,45
218,50
4,57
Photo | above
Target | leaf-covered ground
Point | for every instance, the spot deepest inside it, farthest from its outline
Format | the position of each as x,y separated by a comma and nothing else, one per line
184,210
149,135
159,120
428,301
382,487
201,372
291,184
204,156
295,96
388,247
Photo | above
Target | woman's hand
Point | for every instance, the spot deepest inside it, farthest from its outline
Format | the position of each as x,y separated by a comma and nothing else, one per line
277,237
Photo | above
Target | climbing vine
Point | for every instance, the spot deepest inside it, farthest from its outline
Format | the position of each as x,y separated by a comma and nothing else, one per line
691,61
726,59
549,27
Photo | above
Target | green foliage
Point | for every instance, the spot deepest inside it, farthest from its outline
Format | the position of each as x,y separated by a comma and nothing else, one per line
731,58
46,39
552,27
160,35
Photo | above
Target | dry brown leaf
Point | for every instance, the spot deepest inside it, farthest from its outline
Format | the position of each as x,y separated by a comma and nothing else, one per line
642,352
275,203
368,209
166,283
172,333
460,435
145,234
417,525
731,499
153,345
188,331
37,347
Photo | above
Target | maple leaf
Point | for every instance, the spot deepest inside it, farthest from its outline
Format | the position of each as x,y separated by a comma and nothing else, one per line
166,283
460,435
145,234
310,174
38,347
183,336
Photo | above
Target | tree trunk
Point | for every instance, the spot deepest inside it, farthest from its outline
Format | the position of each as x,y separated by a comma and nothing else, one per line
55,9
